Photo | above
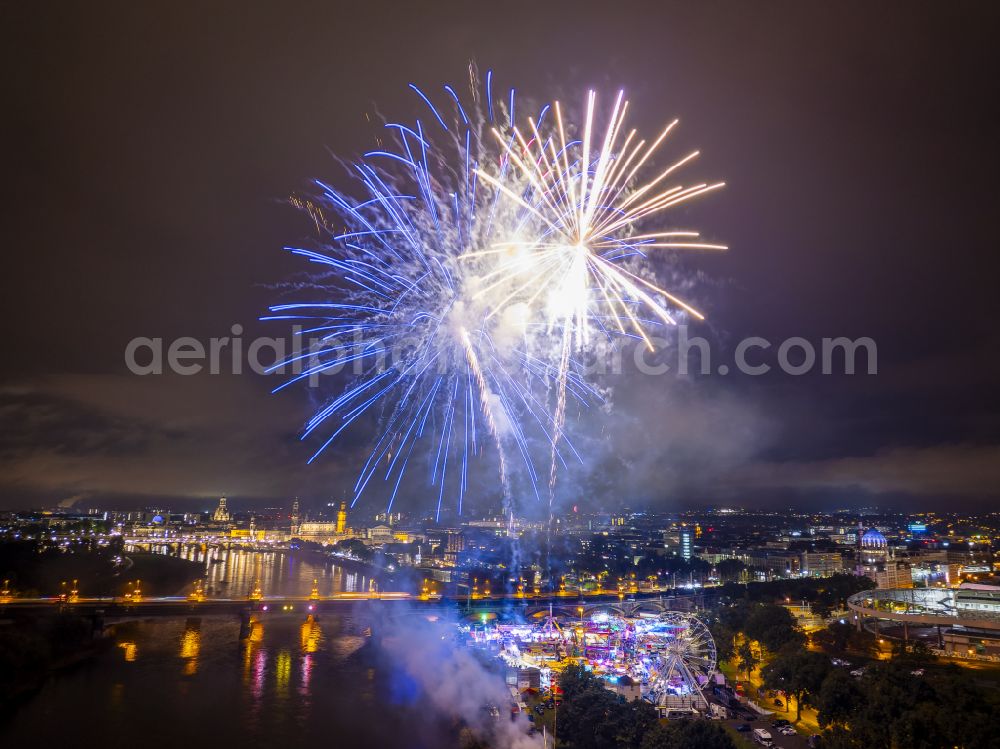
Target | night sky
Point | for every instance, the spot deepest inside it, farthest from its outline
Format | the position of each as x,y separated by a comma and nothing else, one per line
150,149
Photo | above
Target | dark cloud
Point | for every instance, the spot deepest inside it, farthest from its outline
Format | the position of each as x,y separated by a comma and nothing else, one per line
939,471
150,437
32,419
151,147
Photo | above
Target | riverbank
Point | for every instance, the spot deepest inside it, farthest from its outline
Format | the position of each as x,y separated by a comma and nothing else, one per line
322,557
405,579
31,651
36,570
160,575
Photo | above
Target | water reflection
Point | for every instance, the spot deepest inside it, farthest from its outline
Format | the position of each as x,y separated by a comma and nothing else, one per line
283,671
259,671
129,649
310,634
286,684
307,668
190,645
234,572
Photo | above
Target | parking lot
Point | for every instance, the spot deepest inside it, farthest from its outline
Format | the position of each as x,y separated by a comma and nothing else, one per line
798,741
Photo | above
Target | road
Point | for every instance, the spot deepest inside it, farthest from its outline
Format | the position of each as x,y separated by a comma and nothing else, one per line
807,721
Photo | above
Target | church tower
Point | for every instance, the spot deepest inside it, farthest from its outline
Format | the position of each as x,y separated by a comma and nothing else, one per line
342,518
294,529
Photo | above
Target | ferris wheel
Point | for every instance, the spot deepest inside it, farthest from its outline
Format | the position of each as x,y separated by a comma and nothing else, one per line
686,662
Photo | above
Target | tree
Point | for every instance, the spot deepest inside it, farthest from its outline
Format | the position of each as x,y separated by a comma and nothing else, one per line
835,590
821,608
574,680
773,626
839,737
688,734
730,569
725,639
894,708
965,712
583,717
628,723
799,674
842,637
747,659
834,638
914,652
355,548
735,616
839,698
25,657
592,717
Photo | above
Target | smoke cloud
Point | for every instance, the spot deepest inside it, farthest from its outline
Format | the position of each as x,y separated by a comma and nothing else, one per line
454,681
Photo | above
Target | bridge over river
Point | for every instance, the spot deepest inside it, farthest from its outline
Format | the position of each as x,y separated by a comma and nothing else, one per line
139,607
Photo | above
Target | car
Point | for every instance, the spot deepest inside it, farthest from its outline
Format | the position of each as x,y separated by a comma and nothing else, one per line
787,731
917,672
540,709
858,672
743,727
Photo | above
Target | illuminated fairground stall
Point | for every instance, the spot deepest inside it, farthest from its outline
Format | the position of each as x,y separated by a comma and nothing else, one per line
668,658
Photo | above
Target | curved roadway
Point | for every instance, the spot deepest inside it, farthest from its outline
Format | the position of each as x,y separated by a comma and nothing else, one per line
922,606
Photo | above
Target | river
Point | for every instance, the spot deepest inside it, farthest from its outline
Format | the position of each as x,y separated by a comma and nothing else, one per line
232,573
184,682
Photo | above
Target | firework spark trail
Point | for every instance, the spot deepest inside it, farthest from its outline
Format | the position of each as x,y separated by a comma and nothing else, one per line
559,420
559,423
588,207
401,281
452,262
587,210
585,204
484,395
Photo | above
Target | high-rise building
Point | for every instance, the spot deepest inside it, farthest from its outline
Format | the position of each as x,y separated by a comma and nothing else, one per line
894,574
821,564
686,538
454,543
671,539
221,514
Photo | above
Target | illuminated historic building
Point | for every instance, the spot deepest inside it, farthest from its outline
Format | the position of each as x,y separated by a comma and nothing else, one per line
342,518
876,560
221,514
295,518
874,548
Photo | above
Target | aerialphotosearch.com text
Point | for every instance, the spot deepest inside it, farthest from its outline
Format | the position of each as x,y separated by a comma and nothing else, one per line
682,354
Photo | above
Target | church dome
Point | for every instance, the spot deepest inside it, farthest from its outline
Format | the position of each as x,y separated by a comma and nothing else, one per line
873,539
